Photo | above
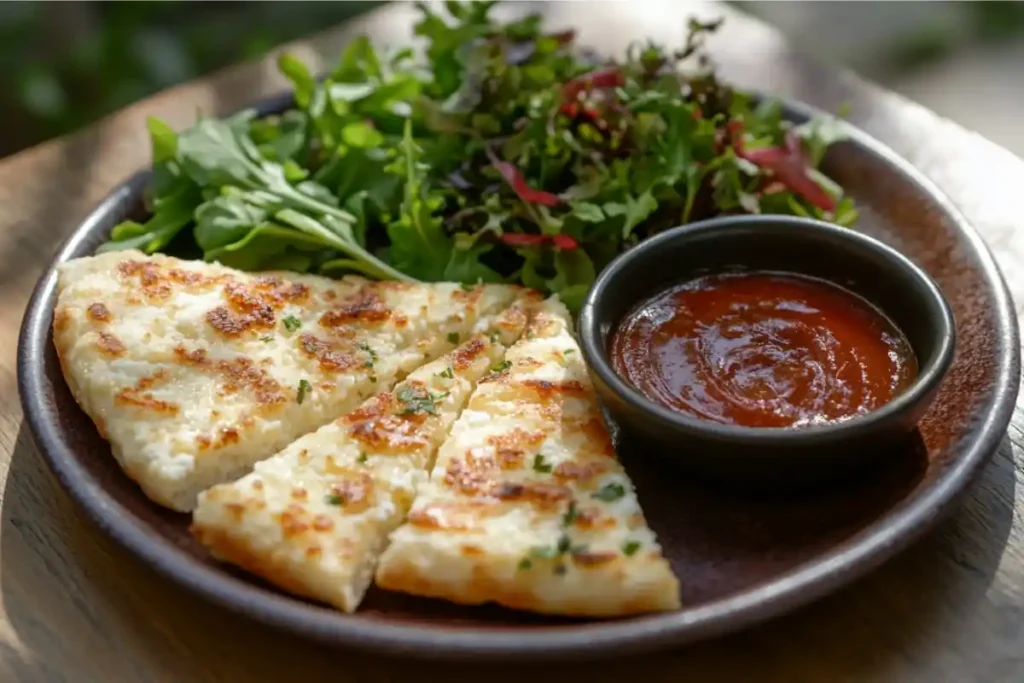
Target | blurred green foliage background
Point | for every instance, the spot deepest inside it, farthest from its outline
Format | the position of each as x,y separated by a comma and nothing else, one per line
69,63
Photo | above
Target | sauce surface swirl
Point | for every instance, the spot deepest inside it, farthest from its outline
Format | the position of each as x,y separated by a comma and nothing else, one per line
763,349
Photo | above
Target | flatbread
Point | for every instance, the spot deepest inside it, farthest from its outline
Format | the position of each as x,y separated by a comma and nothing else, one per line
194,371
527,505
314,519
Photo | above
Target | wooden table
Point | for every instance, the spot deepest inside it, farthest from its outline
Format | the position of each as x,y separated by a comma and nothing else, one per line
77,608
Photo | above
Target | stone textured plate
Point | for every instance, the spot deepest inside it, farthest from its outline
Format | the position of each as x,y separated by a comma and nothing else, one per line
741,560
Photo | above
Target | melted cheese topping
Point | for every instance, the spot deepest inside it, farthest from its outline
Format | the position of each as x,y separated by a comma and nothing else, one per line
527,505
314,518
194,372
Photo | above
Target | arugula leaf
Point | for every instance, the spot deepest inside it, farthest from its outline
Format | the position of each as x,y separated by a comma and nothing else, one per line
175,198
418,242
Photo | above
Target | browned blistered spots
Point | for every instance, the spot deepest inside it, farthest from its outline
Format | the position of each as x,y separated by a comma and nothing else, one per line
363,307
383,431
451,516
595,558
242,374
547,391
292,521
280,291
110,345
322,523
469,296
330,358
299,493
330,295
511,447
228,435
61,319
592,518
543,495
355,492
99,313
313,552
140,396
153,285
185,357
464,356
257,485
248,308
471,550
236,510
578,472
473,475
509,458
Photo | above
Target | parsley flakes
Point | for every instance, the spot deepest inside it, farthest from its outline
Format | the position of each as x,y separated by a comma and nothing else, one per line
291,323
453,337
334,499
362,458
629,548
609,492
502,366
304,389
540,465
447,373
418,400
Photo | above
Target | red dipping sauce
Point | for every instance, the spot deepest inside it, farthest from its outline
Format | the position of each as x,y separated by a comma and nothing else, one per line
763,349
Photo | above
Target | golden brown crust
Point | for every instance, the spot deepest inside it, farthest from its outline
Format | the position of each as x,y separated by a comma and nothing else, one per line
98,313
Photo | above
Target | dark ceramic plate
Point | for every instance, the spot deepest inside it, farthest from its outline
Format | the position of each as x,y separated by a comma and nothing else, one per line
740,559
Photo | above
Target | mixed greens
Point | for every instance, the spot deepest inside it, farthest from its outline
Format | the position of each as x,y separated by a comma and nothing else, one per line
504,154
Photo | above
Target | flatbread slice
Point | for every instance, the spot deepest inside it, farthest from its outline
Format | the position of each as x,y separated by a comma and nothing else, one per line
314,519
527,505
194,371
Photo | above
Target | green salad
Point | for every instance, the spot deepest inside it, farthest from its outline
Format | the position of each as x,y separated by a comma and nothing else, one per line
503,153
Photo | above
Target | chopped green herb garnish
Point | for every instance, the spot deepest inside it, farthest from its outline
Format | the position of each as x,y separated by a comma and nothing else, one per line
568,351
494,336
570,514
334,499
609,492
416,400
447,373
545,552
291,323
563,544
304,388
453,337
629,548
502,366
540,465
373,378
362,458
370,352
267,338
525,563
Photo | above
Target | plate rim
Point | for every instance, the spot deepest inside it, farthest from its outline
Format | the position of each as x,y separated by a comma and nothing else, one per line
870,547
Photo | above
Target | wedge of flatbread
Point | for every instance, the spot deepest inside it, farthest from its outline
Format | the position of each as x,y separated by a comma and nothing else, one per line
314,519
527,505
194,371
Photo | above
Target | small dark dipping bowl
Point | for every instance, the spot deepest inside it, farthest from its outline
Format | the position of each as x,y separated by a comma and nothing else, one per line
769,457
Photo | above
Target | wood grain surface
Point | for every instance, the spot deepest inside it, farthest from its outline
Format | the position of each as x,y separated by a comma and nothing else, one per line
74,607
